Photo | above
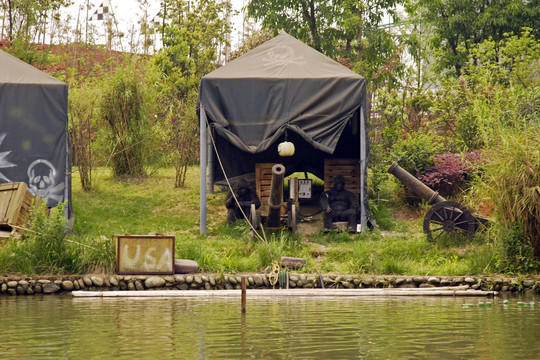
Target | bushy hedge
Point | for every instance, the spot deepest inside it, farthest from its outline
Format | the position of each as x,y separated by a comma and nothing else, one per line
451,171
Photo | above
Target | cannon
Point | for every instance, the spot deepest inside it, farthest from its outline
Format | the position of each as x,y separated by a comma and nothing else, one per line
444,216
275,204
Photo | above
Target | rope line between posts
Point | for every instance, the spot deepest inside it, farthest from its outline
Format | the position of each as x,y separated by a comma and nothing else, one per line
263,238
40,233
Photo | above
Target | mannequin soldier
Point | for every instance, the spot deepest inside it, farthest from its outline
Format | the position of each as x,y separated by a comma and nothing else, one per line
245,197
339,204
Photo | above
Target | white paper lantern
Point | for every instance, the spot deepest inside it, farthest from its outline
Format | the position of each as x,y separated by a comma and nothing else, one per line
286,148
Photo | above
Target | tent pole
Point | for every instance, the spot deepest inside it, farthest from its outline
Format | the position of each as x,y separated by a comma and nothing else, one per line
363,166
68,209
210,163
202,160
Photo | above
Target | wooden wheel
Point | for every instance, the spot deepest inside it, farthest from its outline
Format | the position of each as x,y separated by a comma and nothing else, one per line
449,217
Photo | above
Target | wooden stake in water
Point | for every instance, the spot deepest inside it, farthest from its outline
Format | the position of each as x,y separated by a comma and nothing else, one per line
244,286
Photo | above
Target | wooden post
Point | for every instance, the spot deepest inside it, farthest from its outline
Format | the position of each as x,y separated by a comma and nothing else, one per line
244,286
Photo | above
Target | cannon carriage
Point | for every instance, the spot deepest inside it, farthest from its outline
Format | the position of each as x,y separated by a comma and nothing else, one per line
274,210
444,216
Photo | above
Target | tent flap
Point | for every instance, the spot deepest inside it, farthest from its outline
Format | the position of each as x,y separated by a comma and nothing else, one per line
281,84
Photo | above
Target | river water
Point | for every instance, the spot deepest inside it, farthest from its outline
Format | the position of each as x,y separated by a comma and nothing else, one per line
62,327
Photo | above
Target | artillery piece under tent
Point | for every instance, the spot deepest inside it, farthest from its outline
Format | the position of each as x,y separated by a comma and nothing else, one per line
282,92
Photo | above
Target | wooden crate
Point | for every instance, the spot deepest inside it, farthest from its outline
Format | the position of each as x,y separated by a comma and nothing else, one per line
263,185
263,181
348,168
15,204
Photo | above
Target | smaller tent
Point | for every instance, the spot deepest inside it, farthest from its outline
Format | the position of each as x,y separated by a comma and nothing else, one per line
34,137
283,90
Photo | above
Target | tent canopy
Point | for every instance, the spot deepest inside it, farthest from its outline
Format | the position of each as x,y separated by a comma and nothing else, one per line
34,142
283,89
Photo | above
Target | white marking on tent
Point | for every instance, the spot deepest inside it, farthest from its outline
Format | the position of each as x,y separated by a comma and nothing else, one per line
41,182
3,161
282,55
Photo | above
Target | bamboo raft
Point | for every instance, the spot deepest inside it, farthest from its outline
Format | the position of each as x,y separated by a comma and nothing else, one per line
254,293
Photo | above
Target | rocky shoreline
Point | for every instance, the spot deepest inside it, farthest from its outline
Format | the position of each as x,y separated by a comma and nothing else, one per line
16,286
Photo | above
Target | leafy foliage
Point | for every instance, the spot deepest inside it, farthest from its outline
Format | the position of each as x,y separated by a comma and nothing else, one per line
511,180
450,172
124,109
43,248
310,21
414,153
514,59
516,256
82,105
457,25
372,51
191,36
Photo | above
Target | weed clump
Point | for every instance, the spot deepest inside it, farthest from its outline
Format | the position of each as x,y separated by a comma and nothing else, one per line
42,249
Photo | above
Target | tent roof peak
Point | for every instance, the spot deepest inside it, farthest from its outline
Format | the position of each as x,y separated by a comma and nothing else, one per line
16,71
283,57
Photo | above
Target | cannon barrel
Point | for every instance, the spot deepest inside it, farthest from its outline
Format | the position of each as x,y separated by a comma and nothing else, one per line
275,200
420,189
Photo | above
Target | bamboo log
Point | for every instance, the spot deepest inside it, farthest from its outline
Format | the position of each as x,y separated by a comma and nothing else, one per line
459,291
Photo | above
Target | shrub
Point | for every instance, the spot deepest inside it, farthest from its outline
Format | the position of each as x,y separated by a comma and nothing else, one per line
124,109
516,256
450,172
509,181
414,153
43,248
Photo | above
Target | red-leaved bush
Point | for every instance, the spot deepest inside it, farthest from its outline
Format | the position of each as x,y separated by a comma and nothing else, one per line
450,172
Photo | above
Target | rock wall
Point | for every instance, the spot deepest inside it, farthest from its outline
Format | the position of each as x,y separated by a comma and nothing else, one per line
51,285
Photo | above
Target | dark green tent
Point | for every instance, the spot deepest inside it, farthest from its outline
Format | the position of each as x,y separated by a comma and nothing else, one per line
283,89
34,140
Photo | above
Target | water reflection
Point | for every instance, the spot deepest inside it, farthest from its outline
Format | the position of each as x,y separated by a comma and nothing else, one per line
60,327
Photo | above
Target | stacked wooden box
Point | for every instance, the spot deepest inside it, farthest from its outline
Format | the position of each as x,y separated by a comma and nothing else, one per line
348,168
15,205
263,181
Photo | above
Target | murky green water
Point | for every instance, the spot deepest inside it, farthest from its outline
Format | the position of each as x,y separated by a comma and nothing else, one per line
61,327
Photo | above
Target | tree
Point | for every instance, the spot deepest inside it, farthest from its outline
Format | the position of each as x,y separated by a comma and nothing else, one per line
27,22
455,25
251,42
311,21
29,18
192,34
339,29
124,108
147,26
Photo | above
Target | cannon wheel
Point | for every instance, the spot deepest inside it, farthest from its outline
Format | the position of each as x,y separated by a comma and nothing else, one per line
449,217
291,220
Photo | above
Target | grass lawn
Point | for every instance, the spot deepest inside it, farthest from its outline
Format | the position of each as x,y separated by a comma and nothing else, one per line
151,205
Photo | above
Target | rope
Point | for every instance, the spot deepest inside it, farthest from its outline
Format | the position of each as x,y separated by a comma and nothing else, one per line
274,274
39,233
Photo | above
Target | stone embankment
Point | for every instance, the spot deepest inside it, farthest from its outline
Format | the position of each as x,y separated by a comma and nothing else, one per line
59,284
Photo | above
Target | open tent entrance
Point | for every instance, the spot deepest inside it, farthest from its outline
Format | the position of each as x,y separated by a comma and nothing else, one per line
282,90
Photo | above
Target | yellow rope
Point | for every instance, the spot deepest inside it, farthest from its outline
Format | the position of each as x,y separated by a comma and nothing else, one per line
274,274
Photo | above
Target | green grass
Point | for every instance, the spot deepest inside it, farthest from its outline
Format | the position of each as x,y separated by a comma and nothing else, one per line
151,205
